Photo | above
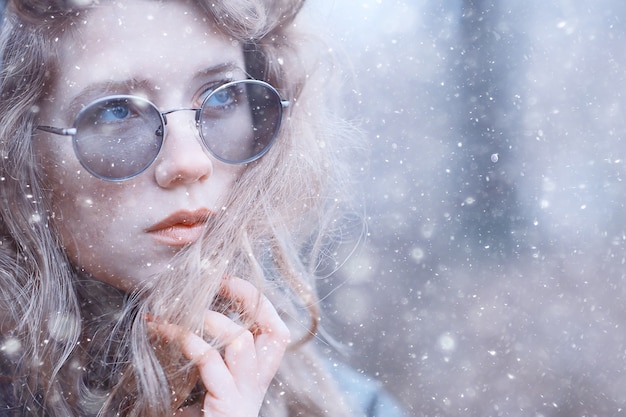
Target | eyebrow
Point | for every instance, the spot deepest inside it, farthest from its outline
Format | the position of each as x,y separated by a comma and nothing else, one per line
225,67
109,87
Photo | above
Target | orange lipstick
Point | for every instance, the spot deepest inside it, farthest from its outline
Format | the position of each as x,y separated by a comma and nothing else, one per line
180,228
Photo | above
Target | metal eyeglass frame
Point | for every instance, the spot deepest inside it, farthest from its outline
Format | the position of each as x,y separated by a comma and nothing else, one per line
72,131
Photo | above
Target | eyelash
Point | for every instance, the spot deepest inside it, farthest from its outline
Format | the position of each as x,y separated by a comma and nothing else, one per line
207,89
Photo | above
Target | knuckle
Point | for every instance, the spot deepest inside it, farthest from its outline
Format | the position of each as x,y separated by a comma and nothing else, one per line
204,356
246,338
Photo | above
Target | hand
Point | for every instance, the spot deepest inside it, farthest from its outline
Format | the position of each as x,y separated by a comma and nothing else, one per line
237,380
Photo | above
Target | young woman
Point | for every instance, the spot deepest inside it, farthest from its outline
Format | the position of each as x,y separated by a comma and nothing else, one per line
164,190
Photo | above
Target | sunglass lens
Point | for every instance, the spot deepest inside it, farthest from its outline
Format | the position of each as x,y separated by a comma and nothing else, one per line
119,137
240,120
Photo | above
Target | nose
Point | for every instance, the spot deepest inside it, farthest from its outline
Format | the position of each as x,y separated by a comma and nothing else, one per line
183,159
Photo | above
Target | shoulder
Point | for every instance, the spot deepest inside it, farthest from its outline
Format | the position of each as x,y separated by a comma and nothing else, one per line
367,394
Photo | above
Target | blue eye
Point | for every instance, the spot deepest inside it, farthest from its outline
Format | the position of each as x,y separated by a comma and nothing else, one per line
114,112
221,98
225,101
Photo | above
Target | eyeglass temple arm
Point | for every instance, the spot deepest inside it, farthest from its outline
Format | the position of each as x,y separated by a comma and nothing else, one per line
285,103
71,131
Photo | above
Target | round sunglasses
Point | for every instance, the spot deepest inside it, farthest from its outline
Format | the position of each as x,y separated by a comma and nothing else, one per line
118,137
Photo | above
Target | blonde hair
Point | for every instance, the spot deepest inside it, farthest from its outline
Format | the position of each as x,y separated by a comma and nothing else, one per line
81,346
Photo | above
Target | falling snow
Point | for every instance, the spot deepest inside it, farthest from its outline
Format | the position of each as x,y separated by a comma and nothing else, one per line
491,279
11,346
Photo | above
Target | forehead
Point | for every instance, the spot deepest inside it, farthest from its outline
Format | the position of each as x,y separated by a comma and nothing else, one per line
153,40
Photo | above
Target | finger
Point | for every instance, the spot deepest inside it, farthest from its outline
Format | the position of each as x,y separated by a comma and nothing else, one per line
240,355
271,333
256,306
214,373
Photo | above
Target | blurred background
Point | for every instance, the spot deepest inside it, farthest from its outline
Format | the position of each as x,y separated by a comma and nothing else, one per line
491,279
490,282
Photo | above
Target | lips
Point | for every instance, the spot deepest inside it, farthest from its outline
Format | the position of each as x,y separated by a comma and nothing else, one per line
180,228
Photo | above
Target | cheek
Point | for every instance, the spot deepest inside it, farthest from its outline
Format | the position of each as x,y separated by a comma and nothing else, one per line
99,235
77,197
82,215
56,160
79,223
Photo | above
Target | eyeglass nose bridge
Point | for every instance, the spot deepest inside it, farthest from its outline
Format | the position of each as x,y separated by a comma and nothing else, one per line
160,131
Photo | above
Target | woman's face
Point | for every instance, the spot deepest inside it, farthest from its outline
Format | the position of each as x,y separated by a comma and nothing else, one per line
169,53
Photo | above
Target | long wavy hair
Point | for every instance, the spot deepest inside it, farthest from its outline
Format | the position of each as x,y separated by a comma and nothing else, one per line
78,347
